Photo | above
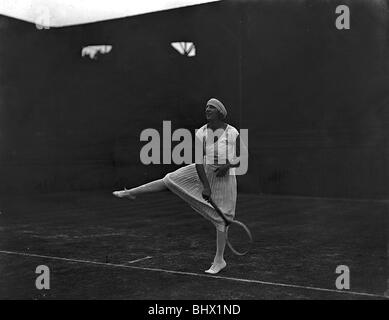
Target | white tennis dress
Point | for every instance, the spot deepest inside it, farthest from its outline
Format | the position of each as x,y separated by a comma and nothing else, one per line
186,183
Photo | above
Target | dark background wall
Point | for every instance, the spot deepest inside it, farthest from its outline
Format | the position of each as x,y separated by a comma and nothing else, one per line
314,99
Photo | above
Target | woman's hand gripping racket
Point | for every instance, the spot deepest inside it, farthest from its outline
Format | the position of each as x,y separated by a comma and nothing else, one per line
238,227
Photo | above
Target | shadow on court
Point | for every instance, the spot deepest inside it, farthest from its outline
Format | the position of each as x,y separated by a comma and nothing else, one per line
101,247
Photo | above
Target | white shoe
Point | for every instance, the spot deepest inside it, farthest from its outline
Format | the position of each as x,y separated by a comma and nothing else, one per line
216,267
124,193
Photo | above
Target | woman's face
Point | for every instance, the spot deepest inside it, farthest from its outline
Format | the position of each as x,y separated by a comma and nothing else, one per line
211,113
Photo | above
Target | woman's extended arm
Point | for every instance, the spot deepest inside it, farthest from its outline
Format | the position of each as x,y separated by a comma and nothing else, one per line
199,157
203,178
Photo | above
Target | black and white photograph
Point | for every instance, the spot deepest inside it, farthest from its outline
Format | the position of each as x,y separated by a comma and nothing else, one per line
194,154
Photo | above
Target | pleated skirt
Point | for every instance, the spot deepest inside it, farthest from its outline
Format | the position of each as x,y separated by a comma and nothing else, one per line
186,183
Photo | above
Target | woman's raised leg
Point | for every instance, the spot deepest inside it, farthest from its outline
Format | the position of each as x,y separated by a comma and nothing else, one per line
154,186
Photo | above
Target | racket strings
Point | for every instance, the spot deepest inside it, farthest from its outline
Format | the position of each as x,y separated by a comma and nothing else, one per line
239,238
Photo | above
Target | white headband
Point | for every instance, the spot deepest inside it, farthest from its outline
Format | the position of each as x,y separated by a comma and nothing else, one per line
218,105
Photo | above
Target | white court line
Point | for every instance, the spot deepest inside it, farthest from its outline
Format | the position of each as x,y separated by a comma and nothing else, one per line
276,196
141,259
194,274
68,237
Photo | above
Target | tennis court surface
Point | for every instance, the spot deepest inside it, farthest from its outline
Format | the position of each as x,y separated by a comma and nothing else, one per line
100,247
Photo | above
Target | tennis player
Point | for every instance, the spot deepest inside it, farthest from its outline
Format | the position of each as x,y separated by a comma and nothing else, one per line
212,175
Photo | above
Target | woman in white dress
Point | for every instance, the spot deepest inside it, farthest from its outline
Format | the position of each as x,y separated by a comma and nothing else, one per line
213,175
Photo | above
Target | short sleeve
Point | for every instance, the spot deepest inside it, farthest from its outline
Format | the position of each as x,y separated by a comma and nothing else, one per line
233,133
200,133
199,152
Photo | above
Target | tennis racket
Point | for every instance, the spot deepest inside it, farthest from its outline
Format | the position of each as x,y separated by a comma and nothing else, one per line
239,229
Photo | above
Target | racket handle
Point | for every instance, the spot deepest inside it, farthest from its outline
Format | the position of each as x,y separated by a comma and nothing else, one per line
221,214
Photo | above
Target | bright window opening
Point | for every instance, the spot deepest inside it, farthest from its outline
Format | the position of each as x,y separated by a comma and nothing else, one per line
185,48
94,51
